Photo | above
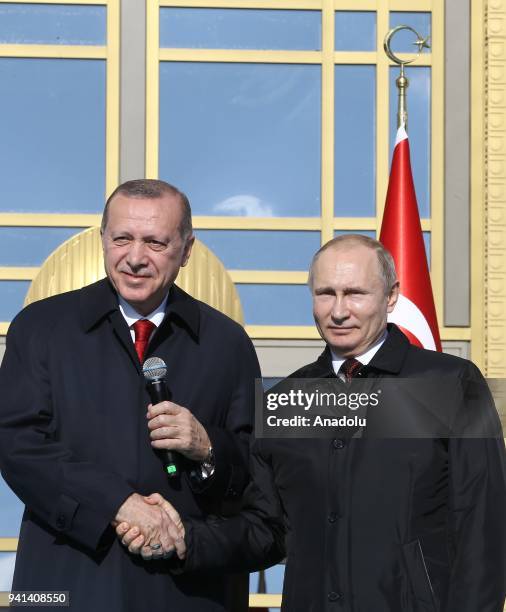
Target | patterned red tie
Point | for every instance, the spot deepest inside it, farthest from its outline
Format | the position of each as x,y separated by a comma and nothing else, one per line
350,368
143,329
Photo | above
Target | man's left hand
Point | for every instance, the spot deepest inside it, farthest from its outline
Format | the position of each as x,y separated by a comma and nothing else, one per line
173,427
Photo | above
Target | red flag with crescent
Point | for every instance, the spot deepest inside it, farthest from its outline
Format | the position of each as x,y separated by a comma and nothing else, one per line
401,234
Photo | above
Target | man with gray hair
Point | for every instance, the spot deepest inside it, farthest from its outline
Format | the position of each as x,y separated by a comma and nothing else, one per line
82,446
370,524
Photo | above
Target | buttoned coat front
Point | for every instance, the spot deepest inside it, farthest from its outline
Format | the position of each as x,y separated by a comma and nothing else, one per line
371,524
74,442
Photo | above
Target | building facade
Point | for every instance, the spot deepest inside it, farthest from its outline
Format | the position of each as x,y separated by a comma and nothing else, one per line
277,118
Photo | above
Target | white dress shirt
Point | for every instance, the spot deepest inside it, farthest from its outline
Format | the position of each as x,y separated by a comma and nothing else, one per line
365,358
131,316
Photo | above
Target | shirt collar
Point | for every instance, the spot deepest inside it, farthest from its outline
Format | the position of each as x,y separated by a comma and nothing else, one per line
131,316
100,300
364,358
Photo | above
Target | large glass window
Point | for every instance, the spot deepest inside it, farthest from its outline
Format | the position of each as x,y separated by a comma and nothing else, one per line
278,121
279,124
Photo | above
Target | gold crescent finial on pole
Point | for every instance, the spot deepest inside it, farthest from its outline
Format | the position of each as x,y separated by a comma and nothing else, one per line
402,82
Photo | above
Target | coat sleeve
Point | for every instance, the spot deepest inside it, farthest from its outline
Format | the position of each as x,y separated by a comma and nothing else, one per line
248,541
478,507
231,441
73,497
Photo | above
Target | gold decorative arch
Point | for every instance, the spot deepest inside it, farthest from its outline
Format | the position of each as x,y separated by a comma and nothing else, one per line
79,262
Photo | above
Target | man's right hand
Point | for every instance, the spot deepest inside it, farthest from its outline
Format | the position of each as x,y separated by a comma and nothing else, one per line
153,524
132,535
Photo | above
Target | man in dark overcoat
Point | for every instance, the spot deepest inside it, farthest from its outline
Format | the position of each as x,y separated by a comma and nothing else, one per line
78,444
411,524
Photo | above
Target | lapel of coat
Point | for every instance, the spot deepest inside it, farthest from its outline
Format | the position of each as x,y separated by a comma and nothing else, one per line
99,305
183,310
392,354
388,360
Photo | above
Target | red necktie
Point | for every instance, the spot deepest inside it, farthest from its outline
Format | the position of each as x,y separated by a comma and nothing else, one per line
143,329
350,368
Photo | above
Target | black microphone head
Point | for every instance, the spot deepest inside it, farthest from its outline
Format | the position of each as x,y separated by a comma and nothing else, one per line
154,368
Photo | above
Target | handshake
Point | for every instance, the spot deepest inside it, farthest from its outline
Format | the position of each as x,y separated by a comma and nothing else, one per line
150,527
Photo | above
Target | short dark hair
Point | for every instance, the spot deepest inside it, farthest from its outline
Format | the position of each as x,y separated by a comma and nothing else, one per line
385,259
152,189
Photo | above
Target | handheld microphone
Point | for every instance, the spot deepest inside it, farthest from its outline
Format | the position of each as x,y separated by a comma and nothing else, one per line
154,370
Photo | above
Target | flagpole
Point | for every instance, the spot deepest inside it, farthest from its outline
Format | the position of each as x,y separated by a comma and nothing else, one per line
401,230
402,81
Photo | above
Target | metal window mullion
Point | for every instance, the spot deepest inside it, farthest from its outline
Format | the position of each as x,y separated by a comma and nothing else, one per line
437,157
152,87
382,112
327,122
112,97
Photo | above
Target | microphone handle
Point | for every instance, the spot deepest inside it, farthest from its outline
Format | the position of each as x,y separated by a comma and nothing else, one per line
158,392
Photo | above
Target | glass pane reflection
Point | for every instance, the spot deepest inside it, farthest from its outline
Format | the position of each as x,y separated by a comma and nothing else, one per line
276,304
54,137
61,24
210,28
355,141
30,246
7,561
355,30
12,296
262,250
12,511
242,139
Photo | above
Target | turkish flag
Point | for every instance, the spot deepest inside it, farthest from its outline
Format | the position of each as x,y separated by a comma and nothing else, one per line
401,234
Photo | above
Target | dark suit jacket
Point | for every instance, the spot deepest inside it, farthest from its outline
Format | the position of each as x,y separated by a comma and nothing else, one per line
74,442
375,525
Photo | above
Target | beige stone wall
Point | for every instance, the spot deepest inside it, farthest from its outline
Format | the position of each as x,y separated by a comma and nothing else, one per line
495,188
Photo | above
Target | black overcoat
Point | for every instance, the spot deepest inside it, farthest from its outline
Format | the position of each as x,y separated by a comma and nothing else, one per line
74,442
375,525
